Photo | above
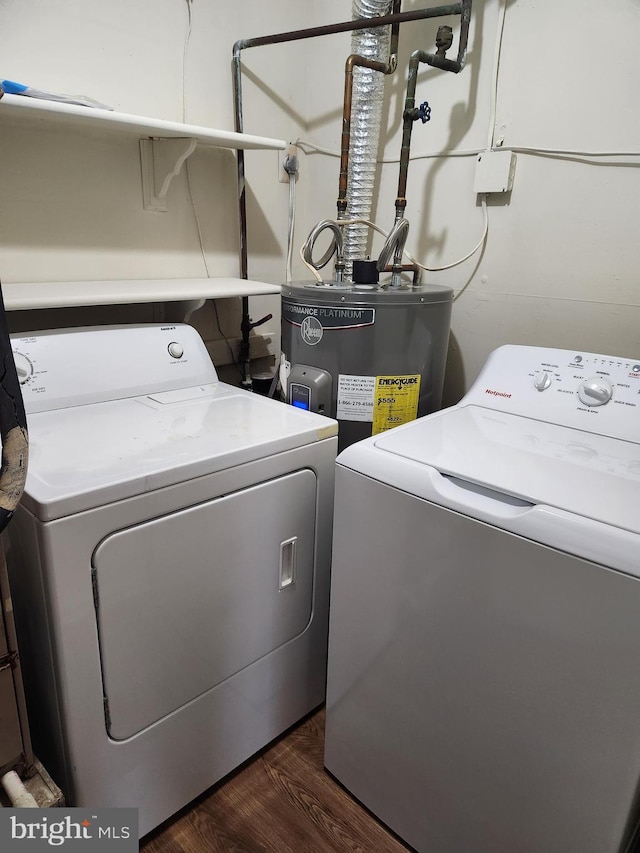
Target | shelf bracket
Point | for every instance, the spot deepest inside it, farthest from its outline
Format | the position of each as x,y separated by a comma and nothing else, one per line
161,159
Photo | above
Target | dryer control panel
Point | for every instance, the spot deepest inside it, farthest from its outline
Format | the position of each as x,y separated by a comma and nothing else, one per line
72,367
596,393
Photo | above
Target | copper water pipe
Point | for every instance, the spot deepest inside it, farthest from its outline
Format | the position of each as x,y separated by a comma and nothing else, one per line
363,62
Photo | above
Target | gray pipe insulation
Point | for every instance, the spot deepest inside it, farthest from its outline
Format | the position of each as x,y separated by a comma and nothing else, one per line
366,118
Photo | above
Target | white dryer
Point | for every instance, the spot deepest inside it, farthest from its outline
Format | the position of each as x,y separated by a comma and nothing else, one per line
169,565
484,645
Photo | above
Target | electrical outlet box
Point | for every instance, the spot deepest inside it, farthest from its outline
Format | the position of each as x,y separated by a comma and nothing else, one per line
494,172
287,156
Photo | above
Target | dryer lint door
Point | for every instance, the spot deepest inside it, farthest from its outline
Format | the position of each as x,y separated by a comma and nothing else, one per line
185,601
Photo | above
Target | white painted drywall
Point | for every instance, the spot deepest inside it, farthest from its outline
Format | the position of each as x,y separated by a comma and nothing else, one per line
561,262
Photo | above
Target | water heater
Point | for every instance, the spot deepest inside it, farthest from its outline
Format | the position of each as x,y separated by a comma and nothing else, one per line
371,356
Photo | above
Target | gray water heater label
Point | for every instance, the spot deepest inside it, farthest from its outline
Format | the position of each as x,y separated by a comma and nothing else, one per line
328,316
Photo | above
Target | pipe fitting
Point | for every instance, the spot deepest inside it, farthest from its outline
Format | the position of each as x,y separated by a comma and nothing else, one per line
394,244
336,246
444,40
18,795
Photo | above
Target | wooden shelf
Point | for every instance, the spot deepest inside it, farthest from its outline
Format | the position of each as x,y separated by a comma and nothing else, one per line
20,109
21,296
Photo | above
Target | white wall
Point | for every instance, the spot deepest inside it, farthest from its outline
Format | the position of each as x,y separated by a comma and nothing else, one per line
561,260
71,203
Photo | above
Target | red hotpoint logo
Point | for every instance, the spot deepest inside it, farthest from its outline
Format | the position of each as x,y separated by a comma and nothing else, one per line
496,393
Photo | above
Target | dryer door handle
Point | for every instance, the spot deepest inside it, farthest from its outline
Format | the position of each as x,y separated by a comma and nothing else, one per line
287,575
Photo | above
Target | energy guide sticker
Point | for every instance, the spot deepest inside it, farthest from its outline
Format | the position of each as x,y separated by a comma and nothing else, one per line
395,401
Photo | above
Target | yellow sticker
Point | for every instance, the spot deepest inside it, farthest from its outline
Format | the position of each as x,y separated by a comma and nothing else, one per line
395,401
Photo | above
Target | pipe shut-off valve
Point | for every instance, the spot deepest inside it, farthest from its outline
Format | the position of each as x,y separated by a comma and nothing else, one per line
423,112
444,40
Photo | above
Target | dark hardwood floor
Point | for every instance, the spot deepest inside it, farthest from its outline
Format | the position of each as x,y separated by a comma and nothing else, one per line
283,801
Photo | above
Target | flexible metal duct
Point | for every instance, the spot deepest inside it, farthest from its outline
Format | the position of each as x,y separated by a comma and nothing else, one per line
366,117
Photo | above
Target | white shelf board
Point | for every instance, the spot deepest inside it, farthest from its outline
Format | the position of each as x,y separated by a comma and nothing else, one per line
21,296
20,109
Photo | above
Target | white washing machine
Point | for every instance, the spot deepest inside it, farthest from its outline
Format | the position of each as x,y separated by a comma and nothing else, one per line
484,644
169,565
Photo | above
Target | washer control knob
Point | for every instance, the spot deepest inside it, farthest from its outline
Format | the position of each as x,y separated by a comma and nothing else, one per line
542,381
24,368
595,391
176,350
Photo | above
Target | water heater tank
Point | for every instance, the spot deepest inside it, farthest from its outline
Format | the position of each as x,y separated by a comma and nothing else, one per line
370,356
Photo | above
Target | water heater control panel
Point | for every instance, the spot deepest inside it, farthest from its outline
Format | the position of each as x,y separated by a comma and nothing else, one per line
596,393
309,388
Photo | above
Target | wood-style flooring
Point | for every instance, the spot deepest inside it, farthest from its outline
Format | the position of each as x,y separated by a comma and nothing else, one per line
282,801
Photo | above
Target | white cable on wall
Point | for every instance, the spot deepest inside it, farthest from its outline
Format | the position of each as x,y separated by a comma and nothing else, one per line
495,75
317,149
290,229
184,119
473,152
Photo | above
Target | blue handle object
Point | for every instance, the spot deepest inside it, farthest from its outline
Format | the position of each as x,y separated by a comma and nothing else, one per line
12,88
424,112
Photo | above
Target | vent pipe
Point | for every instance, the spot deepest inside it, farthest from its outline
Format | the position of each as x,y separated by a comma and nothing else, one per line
365,120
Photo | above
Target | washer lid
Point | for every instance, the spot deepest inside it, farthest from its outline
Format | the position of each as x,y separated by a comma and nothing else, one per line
589,475
88,456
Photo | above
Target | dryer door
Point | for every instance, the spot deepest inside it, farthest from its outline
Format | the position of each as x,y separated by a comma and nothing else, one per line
185,601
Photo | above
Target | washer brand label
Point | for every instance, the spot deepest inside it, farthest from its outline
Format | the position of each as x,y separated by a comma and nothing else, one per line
496,393
84,830
329,316
311,331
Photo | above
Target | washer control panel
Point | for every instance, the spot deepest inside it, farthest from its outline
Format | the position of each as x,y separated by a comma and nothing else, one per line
71,367
596,393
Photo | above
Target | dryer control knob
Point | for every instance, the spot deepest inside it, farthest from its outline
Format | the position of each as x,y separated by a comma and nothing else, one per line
595,391
542,381
24,368
176,350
